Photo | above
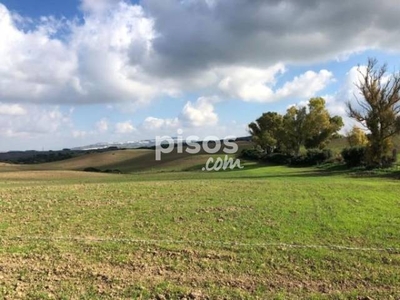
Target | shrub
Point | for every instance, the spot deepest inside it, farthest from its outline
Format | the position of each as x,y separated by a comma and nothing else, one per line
299,161
277,158
354,156
316,156
250,154
313,157
389,160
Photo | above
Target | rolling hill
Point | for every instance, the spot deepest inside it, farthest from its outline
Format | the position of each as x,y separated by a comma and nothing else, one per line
126,161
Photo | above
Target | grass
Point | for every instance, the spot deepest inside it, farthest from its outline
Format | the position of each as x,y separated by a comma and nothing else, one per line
264,232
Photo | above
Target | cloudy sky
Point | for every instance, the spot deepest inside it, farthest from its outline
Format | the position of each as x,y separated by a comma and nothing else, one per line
77,72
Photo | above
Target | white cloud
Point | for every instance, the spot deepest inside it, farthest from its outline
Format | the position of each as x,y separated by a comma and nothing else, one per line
305,86
31,121
200,113
253,84
124,127
151,123
130,53
97,6
12,110
33,67
111,49
250,84
99,62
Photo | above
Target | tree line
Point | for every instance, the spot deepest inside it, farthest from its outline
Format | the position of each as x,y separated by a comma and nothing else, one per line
312,127
376,109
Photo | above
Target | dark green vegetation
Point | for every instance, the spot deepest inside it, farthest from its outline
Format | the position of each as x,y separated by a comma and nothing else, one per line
311,127
299,138
266,232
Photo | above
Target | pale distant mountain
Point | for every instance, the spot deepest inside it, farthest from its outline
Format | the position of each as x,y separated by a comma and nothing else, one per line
127,144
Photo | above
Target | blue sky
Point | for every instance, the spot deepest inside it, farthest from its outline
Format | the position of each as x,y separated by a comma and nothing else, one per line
85,71
36,9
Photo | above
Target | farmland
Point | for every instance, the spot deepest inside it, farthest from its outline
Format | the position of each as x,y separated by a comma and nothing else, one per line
174,232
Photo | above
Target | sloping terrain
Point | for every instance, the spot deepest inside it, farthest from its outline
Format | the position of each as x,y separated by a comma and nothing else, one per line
126,161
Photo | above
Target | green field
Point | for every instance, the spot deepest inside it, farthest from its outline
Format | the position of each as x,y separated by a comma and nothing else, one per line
171,232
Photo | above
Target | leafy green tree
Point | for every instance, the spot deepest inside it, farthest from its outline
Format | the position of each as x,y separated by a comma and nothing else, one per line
357,137
313,127
310,126
378,110
320,126
266,131
294,134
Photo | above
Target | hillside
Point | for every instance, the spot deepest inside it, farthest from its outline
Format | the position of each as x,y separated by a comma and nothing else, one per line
139,160
126,161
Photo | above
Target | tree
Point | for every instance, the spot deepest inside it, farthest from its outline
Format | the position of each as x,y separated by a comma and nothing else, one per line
266,131
357,137
378,110
293,128
319,125
310,126
313,128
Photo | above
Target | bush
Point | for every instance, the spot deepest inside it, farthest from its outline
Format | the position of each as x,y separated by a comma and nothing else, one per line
299,161
389,160
313,157
250,154
354,156
277,158
316,156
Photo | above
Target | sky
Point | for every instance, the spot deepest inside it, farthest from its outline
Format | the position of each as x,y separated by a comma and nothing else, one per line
77,72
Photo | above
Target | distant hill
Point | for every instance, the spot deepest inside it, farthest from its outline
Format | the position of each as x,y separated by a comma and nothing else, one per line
121,159
38,157
142,144
124,160
124,145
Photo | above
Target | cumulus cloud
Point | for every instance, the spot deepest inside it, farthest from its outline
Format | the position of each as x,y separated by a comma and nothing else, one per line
124,52
305,85
124,127
151,123
254,84
261,32
33,66
200,113
31,121
100,61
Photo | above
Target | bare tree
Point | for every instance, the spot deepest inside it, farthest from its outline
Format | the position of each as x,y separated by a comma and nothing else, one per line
378,110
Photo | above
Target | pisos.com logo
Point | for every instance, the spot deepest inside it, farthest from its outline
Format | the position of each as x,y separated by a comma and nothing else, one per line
210,145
